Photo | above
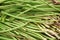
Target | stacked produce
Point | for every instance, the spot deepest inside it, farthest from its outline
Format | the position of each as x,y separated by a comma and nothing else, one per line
29,20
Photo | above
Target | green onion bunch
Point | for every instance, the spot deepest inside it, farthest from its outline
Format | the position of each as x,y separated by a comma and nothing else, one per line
29,20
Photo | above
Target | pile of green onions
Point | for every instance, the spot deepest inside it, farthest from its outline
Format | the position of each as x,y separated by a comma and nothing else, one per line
29,20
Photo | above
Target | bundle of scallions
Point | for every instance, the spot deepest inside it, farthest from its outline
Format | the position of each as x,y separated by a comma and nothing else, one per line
29,20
